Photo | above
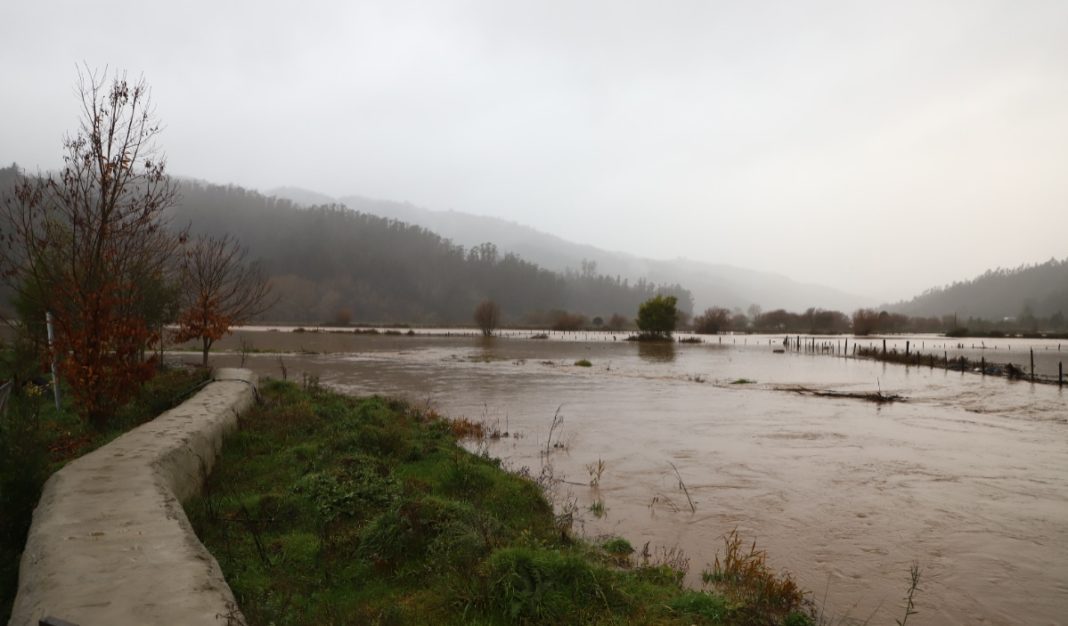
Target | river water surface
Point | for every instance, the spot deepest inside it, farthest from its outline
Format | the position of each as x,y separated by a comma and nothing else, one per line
968,477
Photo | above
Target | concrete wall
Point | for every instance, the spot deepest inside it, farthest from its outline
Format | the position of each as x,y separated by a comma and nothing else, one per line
110,544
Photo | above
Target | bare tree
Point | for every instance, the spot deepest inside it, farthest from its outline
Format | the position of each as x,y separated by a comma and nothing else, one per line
487,316
220,290
712,321
89,245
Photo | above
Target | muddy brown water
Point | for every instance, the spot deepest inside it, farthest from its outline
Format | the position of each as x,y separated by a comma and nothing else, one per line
968,478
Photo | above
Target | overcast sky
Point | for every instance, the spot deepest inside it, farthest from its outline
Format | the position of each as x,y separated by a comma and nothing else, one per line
880,147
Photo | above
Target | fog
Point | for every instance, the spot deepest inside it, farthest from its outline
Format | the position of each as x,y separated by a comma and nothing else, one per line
879,149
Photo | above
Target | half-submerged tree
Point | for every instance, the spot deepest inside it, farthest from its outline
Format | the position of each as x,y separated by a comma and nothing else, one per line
220,290
487,316
657,317
89,246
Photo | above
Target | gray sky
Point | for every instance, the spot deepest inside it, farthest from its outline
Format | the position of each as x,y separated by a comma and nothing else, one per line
880,147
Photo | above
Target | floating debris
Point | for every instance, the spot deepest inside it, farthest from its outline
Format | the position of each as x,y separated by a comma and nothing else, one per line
877,397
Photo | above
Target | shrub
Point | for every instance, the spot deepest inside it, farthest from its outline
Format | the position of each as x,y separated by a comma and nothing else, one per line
617,546
546,586
562,320
416,527
711,321
744,577
705,605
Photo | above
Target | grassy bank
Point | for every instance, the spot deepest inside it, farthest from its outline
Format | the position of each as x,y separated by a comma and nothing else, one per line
327,509
36,440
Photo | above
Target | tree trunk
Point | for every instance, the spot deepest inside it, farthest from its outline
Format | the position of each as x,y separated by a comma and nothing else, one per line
207,346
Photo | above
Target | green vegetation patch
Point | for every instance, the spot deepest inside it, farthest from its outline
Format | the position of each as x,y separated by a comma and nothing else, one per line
583,363
327,509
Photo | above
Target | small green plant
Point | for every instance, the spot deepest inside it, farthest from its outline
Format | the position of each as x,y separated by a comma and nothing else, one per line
701,604
583,363
618,546
547,587
598,509
743,381
798,618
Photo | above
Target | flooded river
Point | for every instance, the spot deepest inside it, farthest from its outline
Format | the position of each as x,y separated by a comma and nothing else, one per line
968,477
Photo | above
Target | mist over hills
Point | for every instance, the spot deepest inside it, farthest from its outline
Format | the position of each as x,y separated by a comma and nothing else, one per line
1040,290
711,284
390,261
329,263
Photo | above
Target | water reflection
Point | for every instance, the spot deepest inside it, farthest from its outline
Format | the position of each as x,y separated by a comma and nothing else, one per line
487,348
656,351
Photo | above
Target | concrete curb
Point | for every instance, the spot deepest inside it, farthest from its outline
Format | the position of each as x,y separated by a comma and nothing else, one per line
110,544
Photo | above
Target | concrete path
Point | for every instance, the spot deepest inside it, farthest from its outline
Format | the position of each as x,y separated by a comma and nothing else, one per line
110,544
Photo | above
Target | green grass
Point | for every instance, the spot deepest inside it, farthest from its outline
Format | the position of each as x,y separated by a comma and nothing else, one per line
326,509
617,546
583,363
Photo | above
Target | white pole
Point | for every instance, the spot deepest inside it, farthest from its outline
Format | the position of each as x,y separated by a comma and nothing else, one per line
55,376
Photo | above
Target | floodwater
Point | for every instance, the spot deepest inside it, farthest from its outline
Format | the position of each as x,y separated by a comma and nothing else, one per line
968,477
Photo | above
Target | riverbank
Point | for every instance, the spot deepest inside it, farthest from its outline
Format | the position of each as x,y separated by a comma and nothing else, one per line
330,509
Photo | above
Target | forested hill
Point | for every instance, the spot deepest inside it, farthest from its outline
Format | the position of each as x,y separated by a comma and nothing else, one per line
329,262
1000,293
712,284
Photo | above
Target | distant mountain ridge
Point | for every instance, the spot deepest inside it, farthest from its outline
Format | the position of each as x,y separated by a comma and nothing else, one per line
997,294
330,263
711,284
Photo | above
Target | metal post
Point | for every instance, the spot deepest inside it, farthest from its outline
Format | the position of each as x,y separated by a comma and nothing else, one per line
55,376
